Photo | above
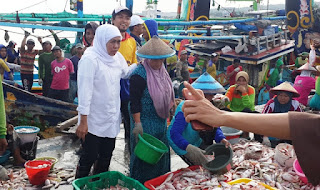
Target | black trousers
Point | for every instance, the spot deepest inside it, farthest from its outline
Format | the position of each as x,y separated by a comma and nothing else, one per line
62,95
46,86
126,119
27,81
96,150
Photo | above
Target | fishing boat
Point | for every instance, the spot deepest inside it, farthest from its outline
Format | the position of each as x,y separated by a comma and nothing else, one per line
25,108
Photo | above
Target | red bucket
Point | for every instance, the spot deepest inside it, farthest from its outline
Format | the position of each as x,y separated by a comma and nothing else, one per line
37,174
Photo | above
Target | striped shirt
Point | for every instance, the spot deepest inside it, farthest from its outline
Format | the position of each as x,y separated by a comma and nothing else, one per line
27,61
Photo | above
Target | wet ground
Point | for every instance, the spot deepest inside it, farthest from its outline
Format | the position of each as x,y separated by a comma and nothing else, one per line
64,148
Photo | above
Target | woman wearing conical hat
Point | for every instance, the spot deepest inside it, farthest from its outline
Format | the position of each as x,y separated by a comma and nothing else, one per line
183,139
282,102
304,83
151,98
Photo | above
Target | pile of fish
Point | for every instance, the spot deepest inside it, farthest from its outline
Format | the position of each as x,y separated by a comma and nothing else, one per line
18,179
190,179
250,160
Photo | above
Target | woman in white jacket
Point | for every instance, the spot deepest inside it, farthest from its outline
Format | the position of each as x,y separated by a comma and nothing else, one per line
100,70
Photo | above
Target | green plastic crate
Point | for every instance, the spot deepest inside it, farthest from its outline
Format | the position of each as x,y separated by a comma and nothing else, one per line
105,180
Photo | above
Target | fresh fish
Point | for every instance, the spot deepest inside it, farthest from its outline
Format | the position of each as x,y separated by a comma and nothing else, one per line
6,36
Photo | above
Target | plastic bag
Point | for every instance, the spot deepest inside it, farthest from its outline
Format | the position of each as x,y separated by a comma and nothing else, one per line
312,57
226,49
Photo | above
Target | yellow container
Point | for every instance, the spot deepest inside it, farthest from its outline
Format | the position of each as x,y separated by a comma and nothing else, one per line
247,180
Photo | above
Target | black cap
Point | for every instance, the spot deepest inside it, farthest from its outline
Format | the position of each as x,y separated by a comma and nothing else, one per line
121,9
236,61
56,48
46,42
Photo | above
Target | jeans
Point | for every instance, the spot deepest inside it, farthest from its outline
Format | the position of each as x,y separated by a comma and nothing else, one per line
95,149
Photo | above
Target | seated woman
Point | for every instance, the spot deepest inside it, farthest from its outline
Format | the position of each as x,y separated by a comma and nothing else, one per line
241,96
282,103
184,140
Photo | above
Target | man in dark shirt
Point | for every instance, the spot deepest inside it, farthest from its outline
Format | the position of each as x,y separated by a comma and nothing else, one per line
73,77
136,28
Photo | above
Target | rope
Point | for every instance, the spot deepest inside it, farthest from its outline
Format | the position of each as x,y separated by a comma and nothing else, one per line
221,6
48,36
267,8
31,6
65,5
27,7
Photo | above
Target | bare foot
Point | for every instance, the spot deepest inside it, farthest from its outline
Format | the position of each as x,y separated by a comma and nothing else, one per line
19,162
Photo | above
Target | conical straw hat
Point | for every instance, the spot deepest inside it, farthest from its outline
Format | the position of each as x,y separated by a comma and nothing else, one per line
285,86
208,84
318,68
306,67
155,49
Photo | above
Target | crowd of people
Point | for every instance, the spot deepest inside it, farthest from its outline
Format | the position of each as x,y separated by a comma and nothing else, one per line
121,77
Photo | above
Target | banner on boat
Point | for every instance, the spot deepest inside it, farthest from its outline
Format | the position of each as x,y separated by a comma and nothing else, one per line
302,24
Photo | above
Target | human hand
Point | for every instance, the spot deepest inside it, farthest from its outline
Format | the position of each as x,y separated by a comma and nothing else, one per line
226,143
198,95
137,130
10,127
242,89
199,108
266,141
237,69
51,31
40,40
3,146
220,100
40,82
82,130
196,155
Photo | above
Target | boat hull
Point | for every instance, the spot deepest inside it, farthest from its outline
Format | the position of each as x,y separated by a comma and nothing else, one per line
25,108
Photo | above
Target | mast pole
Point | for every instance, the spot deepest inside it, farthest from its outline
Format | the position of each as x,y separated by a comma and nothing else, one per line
80,15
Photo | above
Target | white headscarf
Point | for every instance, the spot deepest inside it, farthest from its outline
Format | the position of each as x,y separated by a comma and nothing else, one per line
103,34
305,73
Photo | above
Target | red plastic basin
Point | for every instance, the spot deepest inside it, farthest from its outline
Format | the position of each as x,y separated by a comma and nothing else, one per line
298,170
36,175
232,137
150,184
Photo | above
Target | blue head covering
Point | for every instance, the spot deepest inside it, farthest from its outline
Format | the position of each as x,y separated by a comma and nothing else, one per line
208,84
151,27
282,108
2,46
